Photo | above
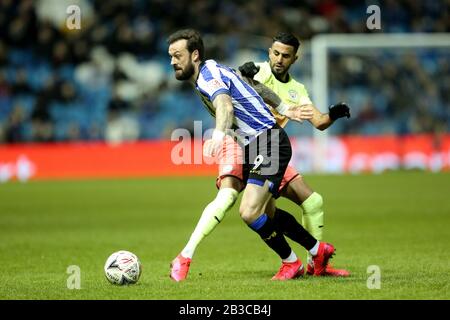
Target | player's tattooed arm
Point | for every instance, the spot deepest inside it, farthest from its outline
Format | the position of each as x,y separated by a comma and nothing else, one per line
297,113
269,97
224,119
224,112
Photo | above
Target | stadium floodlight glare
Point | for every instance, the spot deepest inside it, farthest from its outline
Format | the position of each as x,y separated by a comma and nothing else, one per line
323,43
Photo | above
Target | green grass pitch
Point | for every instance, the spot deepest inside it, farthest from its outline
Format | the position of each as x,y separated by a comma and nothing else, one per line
396,221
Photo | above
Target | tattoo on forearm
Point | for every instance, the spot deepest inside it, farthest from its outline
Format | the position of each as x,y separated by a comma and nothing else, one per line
269,97
224,114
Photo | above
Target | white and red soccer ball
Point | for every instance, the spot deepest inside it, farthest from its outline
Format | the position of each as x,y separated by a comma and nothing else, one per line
123,267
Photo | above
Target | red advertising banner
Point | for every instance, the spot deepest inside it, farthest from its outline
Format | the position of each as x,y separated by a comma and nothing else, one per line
374,153
168,158
99,160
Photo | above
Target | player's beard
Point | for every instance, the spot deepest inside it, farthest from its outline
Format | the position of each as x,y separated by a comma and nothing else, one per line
186,73
278,73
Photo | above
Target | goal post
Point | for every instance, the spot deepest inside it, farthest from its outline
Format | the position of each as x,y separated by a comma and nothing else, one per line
321,45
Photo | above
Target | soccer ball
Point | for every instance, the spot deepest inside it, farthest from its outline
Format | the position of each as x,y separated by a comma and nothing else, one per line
123,267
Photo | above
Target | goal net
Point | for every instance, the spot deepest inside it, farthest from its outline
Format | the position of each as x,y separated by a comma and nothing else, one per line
396,84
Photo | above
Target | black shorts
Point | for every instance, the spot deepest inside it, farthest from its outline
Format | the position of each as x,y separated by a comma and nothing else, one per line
266,159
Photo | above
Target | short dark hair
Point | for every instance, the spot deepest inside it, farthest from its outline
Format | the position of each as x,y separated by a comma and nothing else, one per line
288,39
194,40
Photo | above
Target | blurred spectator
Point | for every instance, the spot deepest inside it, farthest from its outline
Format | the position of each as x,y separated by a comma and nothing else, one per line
21,85
5,88
60,54
41,121
96,73
14,130
122,128
3,54
66,92
117,104
73,131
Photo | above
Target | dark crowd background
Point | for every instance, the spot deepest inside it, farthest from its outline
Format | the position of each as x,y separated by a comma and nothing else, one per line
112,80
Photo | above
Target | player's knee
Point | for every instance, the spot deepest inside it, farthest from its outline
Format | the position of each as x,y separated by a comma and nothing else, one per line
249,213
231,182
318,201
314,203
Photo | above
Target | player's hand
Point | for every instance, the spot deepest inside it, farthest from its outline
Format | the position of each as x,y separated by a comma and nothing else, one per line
211,148
249,69
213,145
339,110
208,148
299,113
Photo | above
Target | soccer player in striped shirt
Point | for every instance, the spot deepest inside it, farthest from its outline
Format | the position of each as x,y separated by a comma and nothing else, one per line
274,74
235,104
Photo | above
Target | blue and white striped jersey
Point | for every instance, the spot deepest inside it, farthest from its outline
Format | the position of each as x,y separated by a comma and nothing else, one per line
251,115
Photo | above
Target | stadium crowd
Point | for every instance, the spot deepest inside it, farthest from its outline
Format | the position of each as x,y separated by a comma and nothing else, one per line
112,78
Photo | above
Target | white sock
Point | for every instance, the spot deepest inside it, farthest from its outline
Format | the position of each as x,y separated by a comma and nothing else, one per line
314,249
292,257
211,216
309,259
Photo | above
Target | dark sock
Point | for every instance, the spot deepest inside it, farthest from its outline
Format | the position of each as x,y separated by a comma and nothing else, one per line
265,227
289,226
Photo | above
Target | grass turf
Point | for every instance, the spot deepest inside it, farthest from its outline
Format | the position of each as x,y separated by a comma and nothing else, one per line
396,221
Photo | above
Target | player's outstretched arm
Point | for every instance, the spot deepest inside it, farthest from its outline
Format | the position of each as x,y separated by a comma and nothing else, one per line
323,120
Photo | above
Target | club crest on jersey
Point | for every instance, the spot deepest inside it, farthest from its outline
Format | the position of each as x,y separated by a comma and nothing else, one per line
215,84
293,94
